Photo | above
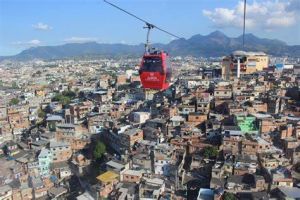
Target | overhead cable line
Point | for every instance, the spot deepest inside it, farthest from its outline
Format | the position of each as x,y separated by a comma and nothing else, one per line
148,24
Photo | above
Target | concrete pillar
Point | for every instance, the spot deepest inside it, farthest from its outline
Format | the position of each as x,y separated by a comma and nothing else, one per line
238,68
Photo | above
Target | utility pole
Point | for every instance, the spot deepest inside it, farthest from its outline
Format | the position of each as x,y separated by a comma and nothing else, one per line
238,67
244,26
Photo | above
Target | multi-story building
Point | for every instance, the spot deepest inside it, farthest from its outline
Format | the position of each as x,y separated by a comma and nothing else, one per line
80,110
141,117
107,182
250,62
60,151
252,146
196,118
132,176
3,113
223,92
129,137
231,145
203,103
73,135
45,159
151,188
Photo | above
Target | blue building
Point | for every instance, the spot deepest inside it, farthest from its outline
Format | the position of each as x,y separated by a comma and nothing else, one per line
45,159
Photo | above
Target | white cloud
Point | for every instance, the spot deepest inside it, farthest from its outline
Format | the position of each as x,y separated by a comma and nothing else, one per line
41,26
283,21
266,15
30,43
80,39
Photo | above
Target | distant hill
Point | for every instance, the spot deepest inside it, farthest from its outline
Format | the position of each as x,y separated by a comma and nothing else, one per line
213,45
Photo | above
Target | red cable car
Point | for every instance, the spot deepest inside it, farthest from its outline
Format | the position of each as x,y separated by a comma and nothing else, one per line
155,70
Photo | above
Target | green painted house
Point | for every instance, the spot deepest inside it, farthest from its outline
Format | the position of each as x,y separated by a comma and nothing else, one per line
247,123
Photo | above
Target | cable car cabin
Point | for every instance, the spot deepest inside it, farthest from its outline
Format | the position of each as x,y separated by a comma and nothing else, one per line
155,71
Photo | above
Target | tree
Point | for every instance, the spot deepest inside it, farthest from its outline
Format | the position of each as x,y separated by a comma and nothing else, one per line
41,113
14,101
229,196
210,152
69,93
99,150
65,100
14,85
65,97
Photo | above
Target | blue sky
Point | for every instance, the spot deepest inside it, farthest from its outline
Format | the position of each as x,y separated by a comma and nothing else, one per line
26,23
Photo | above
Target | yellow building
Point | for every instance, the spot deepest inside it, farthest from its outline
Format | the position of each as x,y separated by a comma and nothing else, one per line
250,62
107,181
40,92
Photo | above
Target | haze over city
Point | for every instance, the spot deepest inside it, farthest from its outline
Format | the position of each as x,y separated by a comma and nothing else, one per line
27,23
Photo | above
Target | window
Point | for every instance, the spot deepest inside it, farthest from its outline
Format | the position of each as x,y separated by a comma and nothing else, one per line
152,64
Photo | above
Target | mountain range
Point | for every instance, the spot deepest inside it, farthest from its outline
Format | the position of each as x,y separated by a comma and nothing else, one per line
214,44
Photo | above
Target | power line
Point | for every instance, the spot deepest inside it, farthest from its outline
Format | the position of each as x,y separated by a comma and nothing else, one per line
148,24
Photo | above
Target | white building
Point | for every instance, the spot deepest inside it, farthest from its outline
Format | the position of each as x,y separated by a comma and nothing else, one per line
141,117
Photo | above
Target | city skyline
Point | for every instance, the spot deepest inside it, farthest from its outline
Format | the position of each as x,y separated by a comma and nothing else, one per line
204,110
30,23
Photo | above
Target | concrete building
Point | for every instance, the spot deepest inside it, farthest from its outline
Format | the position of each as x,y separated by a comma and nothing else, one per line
129,137
132,176
141,117
107,182
6,192
246,123
250,62
151,188
45,159
60,151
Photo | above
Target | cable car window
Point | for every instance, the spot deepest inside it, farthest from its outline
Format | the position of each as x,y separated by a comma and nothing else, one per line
152,65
